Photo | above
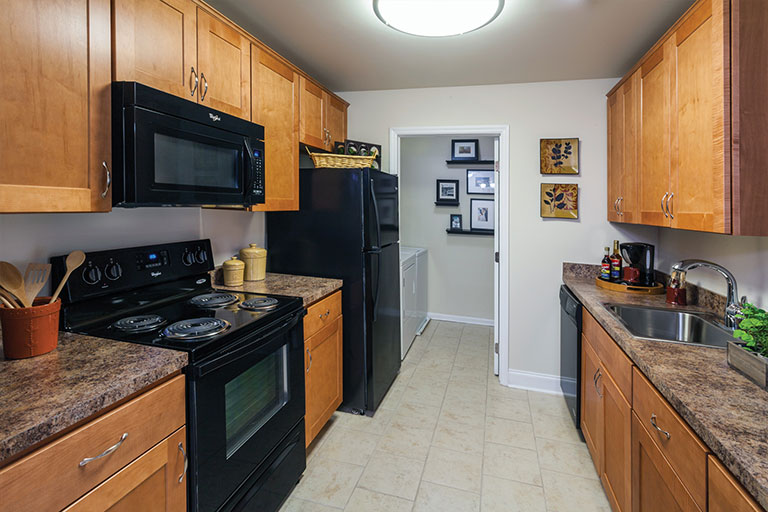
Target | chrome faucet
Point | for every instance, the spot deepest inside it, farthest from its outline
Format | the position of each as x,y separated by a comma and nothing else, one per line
734,305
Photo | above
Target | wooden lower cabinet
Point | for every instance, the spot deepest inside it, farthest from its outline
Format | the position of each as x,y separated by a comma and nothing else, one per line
725,493
155,482
616,472
591,403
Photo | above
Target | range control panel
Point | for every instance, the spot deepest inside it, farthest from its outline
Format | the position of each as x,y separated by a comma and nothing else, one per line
106,272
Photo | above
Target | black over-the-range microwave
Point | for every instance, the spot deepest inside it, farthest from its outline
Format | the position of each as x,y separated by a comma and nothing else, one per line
168,151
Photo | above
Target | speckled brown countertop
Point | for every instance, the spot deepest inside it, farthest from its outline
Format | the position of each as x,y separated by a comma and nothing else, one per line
311,289
723,407
42,396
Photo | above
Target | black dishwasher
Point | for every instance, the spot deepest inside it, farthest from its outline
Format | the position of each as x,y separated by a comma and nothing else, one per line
570,353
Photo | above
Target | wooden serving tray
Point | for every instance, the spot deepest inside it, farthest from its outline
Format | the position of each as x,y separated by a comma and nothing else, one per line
657,289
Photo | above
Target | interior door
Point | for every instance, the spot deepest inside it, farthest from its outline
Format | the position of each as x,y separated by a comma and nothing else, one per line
224,57
496,252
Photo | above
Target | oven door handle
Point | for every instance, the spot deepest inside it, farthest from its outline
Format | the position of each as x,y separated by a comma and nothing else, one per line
229,357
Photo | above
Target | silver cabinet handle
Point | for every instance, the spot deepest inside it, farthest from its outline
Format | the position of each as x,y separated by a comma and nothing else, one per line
663,210
186,462
205,86
671,195
621,212
191,74
653,422
598,376
616,205
310,360
105,452
109,180
325,315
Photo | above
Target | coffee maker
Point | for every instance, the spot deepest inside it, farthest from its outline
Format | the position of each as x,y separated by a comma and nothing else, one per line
639,258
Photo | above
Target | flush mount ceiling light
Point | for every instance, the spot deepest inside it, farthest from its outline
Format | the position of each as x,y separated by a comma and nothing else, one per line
437,18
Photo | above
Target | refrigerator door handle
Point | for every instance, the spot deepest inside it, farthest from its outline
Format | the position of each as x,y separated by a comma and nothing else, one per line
378,285
376,212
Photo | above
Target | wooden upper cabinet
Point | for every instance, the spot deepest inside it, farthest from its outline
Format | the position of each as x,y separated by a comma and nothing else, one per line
55,67
656,82
615,155
224,60
275,105
725,494
336,120
622,152
700,172
312,114
156,44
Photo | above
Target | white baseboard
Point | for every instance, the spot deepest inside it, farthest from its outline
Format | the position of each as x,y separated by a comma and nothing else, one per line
461,319
541,382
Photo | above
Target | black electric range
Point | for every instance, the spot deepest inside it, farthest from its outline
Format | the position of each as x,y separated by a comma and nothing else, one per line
245,379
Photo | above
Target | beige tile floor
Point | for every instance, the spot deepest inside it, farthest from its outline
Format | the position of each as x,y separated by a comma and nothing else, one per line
448,437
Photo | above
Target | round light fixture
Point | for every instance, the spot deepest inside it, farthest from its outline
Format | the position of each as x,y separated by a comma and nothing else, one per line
437,18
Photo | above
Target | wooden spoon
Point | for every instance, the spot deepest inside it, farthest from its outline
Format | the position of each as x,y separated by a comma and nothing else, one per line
35,278
11,280
9,299
74,260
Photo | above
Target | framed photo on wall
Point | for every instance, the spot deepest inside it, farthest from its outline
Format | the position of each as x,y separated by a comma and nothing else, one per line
456,222
481,215
447,193
465,150
481,181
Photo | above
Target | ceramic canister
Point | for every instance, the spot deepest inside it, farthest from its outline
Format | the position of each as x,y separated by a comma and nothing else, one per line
233,271
255,259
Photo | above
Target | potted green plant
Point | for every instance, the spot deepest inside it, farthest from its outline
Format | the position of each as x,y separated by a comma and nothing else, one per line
749,355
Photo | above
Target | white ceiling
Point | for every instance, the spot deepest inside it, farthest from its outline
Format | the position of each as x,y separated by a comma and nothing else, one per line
343,44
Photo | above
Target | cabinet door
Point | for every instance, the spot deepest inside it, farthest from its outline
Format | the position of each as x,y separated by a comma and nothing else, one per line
629,179
312,113
725,493
616,474
655,486
275,105
655,104
591,403
156,481
336,120
700,179
224,58
156,44
615,158
55,66
324,377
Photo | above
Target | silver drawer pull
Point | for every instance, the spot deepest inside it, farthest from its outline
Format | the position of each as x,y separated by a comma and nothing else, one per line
186,462
310,360
109,180
106,452
653,422
326,314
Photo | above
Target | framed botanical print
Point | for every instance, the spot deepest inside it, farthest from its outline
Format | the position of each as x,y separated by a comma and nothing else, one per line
465,150
447,193
559,156
560,200
481,215
481,181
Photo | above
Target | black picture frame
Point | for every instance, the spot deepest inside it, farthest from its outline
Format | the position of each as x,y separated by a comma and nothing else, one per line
441,199
455,222
457,150
475,224
481,173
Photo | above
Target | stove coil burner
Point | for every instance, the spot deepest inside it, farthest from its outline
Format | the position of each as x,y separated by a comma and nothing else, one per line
213,300
259,304
196,329
140,323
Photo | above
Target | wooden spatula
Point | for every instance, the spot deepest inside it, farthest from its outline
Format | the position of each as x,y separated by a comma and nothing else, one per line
11,280
35,278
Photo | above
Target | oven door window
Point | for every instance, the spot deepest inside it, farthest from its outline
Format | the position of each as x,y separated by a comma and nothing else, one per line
254,397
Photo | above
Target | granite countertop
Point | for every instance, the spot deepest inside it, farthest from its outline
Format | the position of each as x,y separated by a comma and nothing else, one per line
310,289
728,411
47,394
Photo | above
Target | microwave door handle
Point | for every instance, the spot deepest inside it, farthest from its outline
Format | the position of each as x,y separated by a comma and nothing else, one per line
251,165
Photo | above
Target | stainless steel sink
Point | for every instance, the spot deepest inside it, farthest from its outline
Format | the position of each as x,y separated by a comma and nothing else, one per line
669,325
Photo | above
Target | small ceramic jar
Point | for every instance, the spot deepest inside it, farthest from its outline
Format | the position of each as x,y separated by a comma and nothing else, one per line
233,272
255,259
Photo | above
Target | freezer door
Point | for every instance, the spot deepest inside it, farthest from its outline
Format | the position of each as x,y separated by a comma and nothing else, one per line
382,223
382,321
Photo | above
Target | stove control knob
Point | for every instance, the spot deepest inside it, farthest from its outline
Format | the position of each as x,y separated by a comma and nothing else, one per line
91,275
200,255
113,270
188,258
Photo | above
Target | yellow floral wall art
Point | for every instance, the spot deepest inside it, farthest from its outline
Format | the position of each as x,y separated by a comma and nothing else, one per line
560,200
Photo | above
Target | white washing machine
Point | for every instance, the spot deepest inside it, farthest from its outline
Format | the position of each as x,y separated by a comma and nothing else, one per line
413,262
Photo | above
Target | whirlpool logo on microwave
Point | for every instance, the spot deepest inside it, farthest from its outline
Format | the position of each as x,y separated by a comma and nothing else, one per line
214,117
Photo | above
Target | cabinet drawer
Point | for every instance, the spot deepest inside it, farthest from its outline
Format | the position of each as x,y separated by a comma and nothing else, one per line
147,419
321,314
681,446
613,359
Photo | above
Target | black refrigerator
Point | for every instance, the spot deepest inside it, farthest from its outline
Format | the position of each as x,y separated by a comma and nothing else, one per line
348,228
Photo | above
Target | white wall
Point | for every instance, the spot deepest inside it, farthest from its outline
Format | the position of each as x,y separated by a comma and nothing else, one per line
537,247
460,266
37,237
745,256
